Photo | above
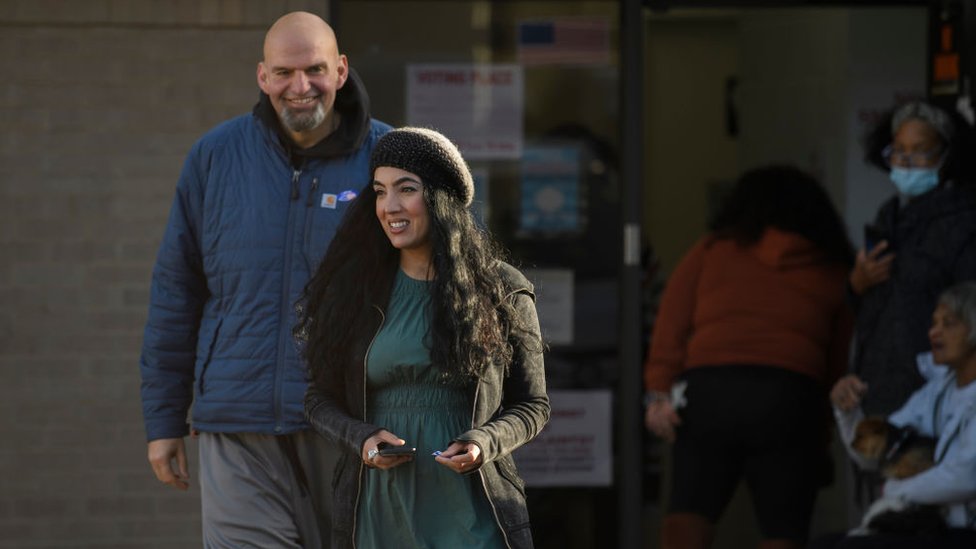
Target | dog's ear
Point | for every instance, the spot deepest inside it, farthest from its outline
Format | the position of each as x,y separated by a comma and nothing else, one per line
871,437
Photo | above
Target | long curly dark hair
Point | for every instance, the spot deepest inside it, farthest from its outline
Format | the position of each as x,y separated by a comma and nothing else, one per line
788,199
471,314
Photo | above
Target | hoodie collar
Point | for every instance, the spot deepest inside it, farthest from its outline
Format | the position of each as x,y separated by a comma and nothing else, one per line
352,104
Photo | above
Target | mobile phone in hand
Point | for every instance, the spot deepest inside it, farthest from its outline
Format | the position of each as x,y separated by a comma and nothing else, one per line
872,237
390,450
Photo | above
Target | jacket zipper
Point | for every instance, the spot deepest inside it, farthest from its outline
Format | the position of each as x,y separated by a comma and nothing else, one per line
311,193
294,183
481,475
285,309
359,484
309,218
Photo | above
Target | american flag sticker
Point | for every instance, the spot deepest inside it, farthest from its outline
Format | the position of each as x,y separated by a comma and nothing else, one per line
564,41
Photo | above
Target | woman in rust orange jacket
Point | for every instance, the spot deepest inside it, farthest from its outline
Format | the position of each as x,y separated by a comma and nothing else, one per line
752,331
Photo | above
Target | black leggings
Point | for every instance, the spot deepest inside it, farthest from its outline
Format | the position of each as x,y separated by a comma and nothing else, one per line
762,424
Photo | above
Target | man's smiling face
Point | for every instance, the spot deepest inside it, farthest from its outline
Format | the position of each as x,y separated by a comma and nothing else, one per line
301,73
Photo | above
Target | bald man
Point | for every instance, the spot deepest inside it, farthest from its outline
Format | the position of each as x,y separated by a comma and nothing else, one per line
257,203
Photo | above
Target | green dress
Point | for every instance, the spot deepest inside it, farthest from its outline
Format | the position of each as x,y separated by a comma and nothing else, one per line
421,503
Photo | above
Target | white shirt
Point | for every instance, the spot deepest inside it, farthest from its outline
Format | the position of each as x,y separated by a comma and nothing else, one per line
942,410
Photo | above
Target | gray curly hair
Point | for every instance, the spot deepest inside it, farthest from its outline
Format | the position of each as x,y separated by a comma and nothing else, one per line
961,300
930,114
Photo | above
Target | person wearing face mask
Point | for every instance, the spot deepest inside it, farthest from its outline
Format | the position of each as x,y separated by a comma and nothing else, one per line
926,242
922,241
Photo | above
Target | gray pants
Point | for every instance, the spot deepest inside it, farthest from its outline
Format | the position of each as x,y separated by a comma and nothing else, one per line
253,496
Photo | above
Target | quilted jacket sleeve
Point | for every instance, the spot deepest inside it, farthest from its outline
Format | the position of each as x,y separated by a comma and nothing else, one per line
177,295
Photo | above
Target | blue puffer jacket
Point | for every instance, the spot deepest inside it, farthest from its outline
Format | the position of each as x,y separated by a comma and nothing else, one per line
244,233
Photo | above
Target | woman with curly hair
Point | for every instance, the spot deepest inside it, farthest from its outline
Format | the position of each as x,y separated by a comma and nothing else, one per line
924,242
417,336
754,325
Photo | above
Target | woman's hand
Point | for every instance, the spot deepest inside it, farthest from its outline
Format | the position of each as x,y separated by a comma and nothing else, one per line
460,457
847,392
661,418
871,268
378,461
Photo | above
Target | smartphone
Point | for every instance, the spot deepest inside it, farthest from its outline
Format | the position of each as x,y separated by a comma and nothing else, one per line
872,236
388,450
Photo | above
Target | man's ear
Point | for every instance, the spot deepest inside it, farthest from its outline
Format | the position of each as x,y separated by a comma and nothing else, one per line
342,70
262,76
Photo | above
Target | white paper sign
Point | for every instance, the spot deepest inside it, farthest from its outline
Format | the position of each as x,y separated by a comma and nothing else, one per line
575,447
478,106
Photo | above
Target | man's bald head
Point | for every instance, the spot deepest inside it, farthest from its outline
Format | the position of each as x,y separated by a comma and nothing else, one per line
301,73
299,27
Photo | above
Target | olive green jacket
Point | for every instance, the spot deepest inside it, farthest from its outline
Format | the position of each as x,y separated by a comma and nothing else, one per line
510,408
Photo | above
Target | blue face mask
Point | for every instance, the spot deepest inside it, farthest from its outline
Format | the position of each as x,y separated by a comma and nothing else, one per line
914,181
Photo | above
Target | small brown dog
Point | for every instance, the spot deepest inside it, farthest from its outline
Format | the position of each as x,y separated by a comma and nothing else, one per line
900,451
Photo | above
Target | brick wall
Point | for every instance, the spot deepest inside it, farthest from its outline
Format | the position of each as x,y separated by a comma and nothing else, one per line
100,101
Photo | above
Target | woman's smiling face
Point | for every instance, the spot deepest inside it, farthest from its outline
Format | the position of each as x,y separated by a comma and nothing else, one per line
401,209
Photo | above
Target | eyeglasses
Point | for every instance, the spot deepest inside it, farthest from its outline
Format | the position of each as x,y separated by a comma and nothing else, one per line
912,160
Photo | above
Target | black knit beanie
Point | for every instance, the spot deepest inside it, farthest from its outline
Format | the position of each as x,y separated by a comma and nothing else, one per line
429,155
